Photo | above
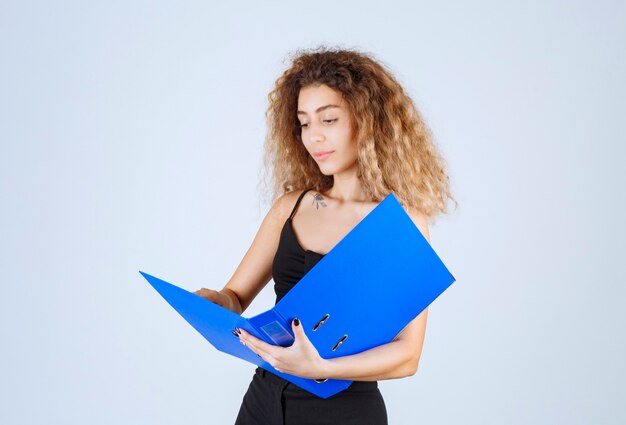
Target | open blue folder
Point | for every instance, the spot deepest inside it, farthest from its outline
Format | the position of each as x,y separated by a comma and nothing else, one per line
358,296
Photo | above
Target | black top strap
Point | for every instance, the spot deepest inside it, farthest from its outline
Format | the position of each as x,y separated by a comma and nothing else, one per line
297,203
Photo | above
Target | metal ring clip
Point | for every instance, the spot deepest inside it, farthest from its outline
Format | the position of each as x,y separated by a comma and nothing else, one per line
321,322
340,342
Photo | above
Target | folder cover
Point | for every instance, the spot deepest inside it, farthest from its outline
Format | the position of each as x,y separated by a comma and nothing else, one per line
360,295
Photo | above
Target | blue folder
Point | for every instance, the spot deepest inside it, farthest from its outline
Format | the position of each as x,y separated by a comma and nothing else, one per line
358,296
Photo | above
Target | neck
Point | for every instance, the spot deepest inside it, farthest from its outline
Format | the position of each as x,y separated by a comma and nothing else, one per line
347,187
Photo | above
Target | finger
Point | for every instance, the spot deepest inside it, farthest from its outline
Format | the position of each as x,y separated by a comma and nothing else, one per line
259,352
266,351
252,341
298,330
258,346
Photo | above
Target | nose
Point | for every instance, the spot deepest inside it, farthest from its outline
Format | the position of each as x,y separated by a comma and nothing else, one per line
316,134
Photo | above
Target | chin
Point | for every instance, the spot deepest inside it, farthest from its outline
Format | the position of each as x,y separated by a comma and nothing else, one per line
327,171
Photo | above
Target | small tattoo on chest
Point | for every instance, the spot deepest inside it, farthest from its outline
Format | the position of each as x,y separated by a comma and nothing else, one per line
317,200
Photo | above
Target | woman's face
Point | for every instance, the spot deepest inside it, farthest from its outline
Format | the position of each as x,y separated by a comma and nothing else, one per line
326,129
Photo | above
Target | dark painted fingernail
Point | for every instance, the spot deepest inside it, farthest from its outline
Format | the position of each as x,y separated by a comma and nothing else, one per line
235,333
296,321
238,331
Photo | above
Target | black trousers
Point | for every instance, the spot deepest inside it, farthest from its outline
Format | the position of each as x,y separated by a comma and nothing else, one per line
272,400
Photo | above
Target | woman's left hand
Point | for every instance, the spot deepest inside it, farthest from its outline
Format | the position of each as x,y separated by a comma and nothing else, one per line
300,359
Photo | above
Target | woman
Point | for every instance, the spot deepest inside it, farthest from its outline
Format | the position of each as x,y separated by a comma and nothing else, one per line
342,135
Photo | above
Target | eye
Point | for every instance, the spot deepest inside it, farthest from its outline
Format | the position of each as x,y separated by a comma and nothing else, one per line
305,125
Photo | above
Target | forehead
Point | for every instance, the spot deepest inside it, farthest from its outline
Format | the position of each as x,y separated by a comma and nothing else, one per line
311,98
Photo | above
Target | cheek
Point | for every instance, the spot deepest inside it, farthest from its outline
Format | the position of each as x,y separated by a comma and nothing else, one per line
351,146
345,139
309,147
349,154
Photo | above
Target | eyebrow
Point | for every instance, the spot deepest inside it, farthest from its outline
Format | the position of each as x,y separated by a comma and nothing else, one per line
321,108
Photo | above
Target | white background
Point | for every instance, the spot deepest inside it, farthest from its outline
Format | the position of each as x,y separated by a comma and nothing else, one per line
131,138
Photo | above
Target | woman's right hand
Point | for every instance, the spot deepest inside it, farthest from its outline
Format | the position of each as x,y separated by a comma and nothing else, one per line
216,297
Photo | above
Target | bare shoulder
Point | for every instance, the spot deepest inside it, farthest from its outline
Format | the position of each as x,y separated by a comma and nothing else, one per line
284,204
420,220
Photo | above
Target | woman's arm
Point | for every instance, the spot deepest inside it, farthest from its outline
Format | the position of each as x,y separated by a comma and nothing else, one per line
255,269
396,359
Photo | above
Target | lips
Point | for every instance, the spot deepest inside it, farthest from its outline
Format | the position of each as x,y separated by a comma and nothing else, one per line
322,154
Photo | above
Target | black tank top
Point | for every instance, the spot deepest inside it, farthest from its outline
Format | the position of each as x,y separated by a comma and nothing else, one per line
291,261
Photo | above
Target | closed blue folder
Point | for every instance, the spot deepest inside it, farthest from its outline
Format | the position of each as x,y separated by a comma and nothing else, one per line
358,296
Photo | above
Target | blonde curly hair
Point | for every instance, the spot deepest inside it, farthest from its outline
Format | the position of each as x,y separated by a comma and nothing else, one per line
396,152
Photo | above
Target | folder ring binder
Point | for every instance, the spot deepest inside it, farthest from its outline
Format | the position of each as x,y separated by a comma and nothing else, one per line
321,322
340,342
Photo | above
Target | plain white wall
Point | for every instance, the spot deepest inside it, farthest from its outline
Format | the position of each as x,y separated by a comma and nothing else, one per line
131,139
